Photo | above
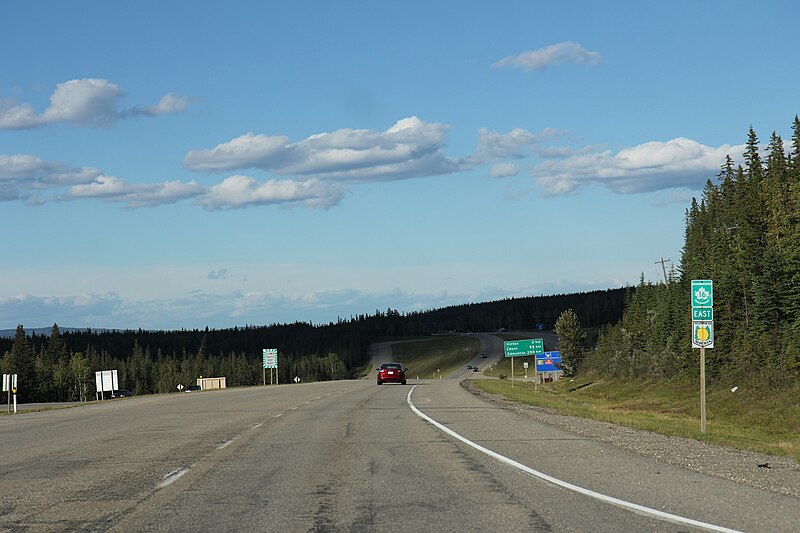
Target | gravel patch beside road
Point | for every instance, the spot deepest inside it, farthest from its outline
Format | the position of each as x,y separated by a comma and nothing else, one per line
772,473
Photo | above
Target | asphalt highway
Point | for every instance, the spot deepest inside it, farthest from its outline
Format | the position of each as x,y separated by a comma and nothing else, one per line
345,456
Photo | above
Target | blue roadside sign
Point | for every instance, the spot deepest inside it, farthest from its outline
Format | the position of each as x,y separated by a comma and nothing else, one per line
548,362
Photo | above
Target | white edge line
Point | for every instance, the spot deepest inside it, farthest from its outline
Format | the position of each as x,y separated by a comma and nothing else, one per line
223,444
569,486
172,477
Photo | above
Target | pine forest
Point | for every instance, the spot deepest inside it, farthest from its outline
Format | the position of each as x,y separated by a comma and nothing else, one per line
744,235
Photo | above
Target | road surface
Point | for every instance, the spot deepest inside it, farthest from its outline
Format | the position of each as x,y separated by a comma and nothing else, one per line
345,456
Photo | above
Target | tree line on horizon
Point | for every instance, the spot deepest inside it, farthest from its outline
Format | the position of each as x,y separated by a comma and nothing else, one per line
744,235
61,366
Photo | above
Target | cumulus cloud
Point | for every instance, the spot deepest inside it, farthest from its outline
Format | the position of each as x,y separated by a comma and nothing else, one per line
86,102
113,189
318,171
168,104
504,170
555,54
651,166
516,144
243,191
22,176
410,148
26,177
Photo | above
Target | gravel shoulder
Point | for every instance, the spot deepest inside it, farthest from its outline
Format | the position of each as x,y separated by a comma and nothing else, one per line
775,474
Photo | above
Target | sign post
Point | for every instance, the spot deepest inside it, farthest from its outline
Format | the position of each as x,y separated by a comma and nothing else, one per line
522,348
14,390
270,361
702,332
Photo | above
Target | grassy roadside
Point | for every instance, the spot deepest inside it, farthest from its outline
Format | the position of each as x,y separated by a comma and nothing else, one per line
434,356
747,419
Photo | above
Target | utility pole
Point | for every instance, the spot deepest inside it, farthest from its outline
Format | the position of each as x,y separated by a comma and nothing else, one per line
666,282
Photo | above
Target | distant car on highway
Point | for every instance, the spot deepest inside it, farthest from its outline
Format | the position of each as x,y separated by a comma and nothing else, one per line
476,369
484,356
121,393
192,388
391,372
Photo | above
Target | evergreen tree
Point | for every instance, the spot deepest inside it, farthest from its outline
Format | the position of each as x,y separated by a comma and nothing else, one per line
20,361
571,342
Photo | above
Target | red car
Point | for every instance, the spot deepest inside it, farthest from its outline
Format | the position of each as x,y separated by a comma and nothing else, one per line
391,373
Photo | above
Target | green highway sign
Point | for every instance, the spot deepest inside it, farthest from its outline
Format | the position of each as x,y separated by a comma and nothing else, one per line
702,293
705,314
522,348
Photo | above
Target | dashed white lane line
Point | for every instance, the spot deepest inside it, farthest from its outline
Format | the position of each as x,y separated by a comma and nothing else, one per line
176,474
569,486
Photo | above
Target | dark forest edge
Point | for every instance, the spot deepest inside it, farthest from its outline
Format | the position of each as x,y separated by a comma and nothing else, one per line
744,234
60,366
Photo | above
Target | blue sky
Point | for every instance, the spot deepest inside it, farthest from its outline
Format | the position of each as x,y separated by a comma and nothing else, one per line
171,165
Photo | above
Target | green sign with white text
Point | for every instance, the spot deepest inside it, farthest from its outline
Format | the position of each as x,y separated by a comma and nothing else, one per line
523,348
702,293
706,314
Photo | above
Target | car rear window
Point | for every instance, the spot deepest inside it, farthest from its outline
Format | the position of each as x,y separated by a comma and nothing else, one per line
392,366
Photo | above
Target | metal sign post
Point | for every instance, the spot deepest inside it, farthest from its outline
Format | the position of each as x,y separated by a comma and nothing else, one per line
702,390
702,297
7,388
14,390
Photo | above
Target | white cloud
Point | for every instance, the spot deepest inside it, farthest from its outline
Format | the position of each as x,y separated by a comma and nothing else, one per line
555,54
504,170
243,191
515,144
647,167
22,176
246,151
410,148
114,189
87,102
168,104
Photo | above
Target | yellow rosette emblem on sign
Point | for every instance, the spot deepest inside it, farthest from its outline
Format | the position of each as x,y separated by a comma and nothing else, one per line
703,334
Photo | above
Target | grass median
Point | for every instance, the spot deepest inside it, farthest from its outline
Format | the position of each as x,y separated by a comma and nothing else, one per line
747,418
